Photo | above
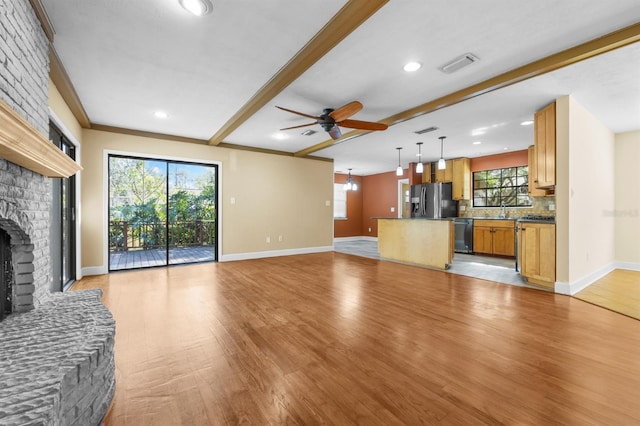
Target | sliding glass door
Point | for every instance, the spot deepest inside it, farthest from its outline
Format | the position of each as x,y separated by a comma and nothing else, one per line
161,212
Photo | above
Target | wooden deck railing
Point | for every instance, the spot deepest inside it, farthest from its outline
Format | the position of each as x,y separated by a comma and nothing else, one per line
125,236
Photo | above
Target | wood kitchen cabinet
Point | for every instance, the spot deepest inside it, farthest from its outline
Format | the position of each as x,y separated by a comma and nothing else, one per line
545,146
461,178
426,173
537,253
533,176
445,175
494,236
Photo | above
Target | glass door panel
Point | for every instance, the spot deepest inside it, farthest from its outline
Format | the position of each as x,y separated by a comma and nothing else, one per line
191,213
137,213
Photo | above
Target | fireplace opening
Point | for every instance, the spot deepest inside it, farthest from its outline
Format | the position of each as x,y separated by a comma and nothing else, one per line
6,275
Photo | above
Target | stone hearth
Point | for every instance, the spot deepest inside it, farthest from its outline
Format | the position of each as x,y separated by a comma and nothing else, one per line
56,363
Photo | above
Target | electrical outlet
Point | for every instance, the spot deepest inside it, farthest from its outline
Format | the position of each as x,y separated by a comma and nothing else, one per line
552,207
280,238
369,229
268,240
393,209
327,203
232,200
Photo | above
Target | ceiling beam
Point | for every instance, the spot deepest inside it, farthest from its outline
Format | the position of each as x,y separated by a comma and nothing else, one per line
598,46
350,17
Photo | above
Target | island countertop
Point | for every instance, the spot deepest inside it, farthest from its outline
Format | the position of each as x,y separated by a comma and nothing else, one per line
418,241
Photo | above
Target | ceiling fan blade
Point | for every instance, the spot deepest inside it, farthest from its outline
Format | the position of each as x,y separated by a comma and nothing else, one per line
363,125
302,125
298,113
335,132
346,111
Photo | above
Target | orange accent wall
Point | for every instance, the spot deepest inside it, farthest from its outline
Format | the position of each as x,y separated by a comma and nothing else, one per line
352,225
380,194
499,161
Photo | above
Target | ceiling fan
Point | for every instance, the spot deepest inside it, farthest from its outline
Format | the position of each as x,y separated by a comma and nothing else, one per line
331,118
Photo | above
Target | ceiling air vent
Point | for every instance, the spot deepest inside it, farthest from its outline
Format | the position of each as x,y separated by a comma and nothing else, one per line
308,132
427,130
460,62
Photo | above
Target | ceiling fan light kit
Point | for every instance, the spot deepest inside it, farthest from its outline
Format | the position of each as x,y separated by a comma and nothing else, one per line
331,119
399,171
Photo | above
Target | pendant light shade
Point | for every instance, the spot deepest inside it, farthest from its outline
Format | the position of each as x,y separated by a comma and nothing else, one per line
419,167
350,184
399,171
442,164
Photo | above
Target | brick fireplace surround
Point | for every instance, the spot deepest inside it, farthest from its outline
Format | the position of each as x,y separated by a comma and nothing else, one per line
56,349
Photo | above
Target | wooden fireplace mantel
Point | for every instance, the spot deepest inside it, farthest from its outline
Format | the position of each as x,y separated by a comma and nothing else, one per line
23,145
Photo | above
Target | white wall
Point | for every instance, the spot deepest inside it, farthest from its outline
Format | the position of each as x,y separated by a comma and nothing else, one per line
585,196
627,199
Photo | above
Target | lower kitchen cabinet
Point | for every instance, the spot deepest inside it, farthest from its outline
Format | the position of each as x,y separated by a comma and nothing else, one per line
491,236
537,253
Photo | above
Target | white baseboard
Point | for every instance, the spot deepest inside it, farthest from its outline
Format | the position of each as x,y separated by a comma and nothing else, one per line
628,265
359,238
94,270
584,282
273,253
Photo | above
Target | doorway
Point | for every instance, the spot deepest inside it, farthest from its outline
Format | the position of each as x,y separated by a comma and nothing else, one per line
161,212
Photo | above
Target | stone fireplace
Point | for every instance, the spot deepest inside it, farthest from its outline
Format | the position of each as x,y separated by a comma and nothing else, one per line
56,359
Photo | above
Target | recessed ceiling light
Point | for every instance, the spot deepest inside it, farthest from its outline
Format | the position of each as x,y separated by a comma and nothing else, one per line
160,114
506,148
527,123
197,7
478,132
412,66
477,142
280,136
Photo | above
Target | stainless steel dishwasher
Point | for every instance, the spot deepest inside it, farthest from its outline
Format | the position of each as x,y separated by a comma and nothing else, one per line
463,234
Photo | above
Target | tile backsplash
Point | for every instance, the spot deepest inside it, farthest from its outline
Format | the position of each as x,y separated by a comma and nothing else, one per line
541,206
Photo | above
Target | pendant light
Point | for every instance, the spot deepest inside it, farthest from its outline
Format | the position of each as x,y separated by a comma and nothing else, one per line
350,184
399,171
419,167
441,163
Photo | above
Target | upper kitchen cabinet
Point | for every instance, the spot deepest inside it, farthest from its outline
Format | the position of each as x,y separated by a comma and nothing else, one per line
445,175
461,178
533,176
545,147
426,174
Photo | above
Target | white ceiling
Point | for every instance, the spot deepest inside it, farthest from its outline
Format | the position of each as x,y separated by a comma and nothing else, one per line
128,59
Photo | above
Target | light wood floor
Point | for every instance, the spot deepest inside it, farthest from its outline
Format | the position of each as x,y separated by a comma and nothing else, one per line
619,291
338,339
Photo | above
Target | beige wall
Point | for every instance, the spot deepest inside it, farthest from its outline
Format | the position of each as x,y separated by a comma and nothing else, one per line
584,193
274,195
63,113
627,195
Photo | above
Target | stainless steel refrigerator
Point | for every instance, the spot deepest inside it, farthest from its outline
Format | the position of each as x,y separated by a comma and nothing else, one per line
433,201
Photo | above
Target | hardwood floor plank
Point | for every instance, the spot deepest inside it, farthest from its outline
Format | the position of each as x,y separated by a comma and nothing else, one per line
337,339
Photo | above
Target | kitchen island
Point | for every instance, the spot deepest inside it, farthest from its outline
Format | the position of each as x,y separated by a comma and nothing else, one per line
421,242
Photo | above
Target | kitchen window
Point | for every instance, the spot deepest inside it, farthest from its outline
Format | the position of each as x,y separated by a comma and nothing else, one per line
507,187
